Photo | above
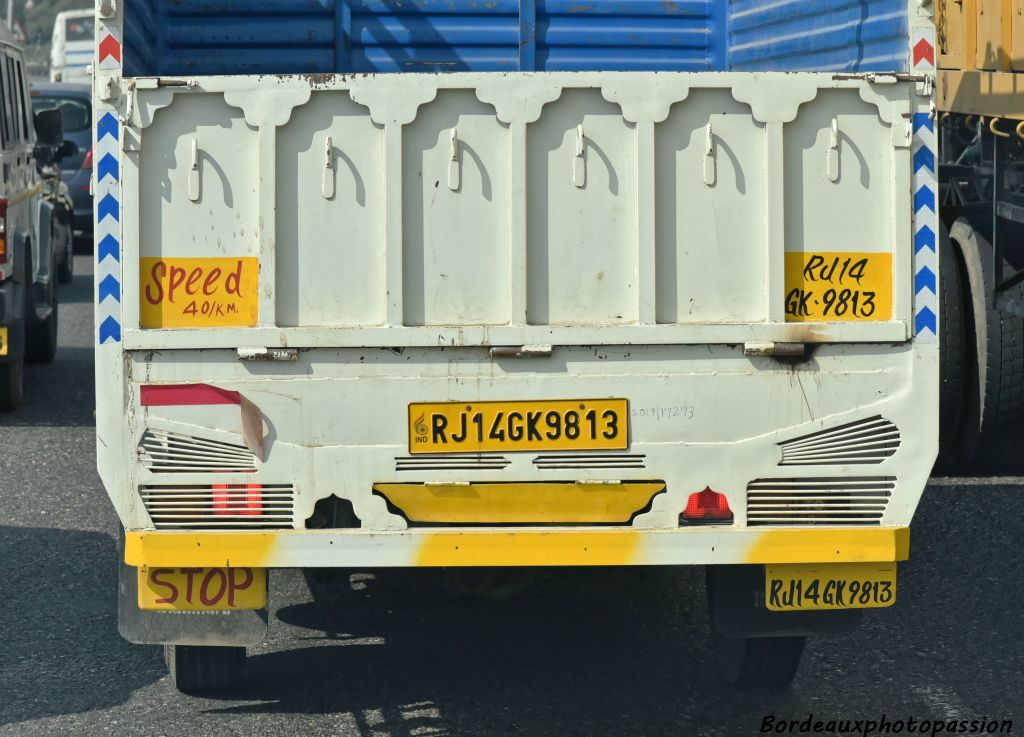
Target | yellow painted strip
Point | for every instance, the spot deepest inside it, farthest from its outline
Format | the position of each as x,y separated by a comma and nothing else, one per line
616,548
206,549
3,341
524,503
880,544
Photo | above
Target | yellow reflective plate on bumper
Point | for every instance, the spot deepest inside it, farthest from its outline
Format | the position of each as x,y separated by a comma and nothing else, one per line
202,589
3,341
562,424
790,588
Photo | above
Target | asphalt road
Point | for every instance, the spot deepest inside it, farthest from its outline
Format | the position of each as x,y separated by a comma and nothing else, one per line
582,652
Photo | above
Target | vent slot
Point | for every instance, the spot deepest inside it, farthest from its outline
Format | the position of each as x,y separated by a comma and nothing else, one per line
590,460
161,451
869,441
220,506
819,501
454,462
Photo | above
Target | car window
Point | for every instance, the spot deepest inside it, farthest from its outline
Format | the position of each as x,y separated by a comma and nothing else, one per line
18,134
20,79
75,111
10,128
79,29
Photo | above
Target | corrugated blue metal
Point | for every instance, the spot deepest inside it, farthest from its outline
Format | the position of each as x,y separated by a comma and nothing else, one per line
312,36
818,35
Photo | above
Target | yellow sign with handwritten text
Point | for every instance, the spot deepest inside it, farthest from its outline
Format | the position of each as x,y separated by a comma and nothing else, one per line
199,292
838,287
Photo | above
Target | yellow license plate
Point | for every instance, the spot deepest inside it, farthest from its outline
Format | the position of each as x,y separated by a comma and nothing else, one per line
3,341
473,427
789,588
838,286
202,589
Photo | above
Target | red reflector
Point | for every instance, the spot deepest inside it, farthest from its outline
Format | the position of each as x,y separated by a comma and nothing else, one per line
707,506
246,501
170,395
87,161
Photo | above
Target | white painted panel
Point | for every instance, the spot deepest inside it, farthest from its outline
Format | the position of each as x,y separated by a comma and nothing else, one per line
853,213
711,240
455,217
222,221
582,253
330,249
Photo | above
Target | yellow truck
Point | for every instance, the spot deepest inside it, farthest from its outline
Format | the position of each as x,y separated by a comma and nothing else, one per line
980,80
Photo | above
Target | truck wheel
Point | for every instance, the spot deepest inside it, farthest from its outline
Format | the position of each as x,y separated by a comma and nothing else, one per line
202,669
41,332
12,373
995,399
757,661
66,270
952,357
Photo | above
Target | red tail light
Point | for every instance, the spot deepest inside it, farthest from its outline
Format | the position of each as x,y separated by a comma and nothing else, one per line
706,506
246,500
87,161
3,231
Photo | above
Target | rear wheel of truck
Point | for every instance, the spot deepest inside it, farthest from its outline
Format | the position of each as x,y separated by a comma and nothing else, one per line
757,661
41,323
953,358
202,669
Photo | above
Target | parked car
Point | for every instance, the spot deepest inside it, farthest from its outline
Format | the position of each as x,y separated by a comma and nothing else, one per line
28,261
75,104
71,48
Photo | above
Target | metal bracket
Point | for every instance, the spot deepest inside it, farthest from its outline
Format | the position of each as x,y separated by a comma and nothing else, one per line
710,163
454,170
521,351
579,162
268,354
771,348
327,186
193,173
832,156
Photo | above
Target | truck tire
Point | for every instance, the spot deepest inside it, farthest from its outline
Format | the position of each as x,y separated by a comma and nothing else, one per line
204,669
995,396
41,331
66,270
952,357
757,661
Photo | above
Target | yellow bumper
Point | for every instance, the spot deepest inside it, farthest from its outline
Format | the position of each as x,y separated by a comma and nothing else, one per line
515,547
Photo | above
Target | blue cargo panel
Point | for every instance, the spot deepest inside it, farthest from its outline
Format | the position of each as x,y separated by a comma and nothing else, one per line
206,37
818,35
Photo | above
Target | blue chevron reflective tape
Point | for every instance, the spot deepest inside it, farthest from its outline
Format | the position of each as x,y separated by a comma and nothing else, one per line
923,120
110,329
923,157
925,320
108,228
108,207
924,197
107,167
925,279
109,287
108,247
107,126
924,238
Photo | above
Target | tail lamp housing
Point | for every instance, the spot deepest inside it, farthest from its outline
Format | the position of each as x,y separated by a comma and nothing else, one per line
706,507
244,500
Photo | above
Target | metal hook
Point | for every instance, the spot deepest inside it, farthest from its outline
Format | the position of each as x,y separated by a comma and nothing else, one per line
579,162
1020,129
328,185
454,170
832,156
193,173
995,131
710,164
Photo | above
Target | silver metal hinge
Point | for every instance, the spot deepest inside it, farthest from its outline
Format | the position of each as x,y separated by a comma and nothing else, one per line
771,348
521,351
268,354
